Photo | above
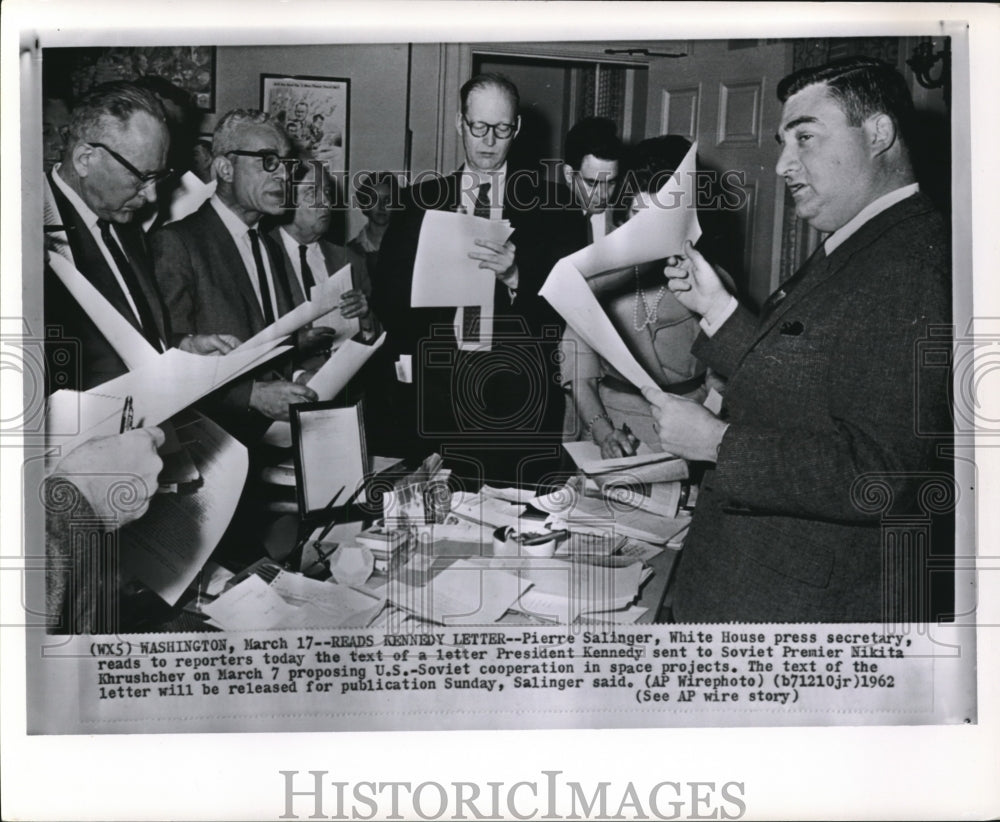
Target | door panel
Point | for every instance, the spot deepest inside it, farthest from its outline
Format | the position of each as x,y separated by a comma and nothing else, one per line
725,98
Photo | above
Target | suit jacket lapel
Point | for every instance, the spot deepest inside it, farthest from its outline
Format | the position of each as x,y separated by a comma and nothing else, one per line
298,296
90,261
223,247
821,271
134,243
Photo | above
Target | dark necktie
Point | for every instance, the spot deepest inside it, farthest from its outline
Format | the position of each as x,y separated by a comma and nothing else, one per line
265,290
790,284
471,313
308,281
147,323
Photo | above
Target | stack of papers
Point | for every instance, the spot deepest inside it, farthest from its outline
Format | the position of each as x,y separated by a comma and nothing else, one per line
291,601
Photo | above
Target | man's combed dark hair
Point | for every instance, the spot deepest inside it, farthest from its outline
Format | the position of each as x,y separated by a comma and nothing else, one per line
118,101
863,86
484,81
592,135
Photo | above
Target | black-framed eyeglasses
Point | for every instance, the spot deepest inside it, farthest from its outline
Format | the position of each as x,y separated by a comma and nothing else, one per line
145,178
269,159
502,131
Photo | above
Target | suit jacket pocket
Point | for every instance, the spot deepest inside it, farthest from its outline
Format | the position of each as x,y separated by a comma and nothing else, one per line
781,546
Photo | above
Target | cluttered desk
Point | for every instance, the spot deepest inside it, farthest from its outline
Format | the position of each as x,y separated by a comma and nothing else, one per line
599,549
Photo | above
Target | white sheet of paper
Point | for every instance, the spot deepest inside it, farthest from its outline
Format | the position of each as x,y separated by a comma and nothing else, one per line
443,273
653,233
324,299
345,328
463,594
126,340
170,544
249,605
568,293
176,379
329,381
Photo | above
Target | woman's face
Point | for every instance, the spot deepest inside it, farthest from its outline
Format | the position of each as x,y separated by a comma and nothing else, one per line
640,201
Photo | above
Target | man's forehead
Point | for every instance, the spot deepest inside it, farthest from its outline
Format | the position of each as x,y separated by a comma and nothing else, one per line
813,104
490,97
594,168
256,137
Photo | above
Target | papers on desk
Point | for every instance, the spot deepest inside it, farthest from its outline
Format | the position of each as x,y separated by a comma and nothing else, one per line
327,382
291,601
653,234
466,593
443,273
585,515
562,591
587,456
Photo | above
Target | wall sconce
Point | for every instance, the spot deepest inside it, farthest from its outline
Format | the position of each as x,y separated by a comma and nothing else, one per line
923,61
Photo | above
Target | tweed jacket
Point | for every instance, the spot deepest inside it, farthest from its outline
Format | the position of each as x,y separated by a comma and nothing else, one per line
826,401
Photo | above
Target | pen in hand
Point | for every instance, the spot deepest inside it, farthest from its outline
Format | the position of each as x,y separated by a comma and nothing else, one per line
128,415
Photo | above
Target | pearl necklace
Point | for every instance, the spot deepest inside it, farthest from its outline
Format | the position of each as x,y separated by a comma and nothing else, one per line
651,313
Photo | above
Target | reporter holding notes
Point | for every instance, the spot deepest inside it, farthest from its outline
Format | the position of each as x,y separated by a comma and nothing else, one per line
818,441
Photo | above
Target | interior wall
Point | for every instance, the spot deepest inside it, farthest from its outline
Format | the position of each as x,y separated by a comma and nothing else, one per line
377,94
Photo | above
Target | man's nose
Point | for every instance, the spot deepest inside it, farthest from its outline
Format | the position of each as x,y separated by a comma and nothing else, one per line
148,192
787,159
490,137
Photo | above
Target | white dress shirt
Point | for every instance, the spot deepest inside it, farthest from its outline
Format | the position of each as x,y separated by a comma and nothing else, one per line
90,220
241,236
314,256
711,324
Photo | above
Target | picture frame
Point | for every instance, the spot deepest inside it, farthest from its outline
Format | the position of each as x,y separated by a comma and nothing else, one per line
191,68
314,112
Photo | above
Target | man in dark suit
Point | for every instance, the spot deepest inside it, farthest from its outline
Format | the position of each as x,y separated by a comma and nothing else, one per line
115,155
819,437
590,169
496,413
309,258
219,275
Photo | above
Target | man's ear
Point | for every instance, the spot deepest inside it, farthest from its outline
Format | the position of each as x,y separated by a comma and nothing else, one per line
517,129
458,123
880,131
567,171
81,156
223,168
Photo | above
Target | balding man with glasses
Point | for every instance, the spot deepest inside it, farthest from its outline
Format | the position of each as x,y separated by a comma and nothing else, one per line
220,275
483,387
114,156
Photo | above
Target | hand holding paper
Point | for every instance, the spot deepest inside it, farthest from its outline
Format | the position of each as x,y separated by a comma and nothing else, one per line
273,398
686,428
695,284
654,233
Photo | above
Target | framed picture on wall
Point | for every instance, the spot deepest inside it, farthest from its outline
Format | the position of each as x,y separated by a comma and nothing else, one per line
191,68
315,113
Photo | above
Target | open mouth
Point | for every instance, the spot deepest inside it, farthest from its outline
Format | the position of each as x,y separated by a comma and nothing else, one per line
796,188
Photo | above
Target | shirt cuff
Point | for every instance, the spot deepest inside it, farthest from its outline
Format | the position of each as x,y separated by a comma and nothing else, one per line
712,322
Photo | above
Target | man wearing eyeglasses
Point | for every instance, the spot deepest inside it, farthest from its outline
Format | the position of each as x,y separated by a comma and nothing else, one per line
114,156
483,387
220,275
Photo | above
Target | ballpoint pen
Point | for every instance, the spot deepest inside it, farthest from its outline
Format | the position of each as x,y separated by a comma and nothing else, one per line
127,416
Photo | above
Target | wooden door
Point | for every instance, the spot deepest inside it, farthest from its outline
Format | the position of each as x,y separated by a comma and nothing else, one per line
723,96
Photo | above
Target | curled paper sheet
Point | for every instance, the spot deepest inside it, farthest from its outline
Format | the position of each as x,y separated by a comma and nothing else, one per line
653,234
352,564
